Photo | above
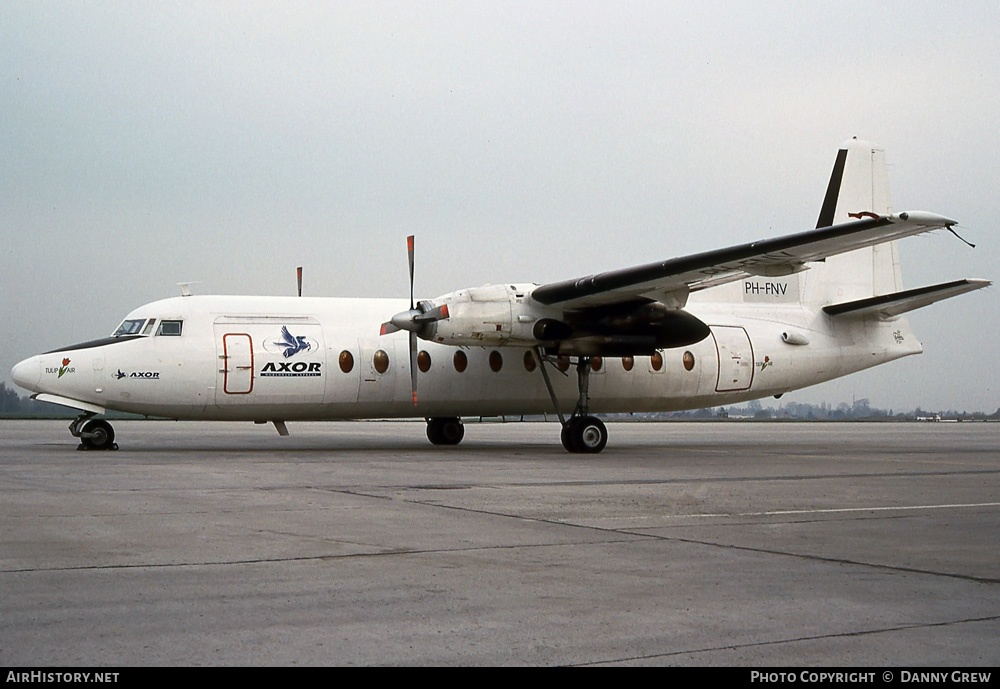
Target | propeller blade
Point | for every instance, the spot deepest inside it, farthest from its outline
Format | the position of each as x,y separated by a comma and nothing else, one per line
413,321
413,366
298,272
439,313
409,252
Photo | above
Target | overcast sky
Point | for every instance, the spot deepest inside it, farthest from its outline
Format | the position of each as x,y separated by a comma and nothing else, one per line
145,144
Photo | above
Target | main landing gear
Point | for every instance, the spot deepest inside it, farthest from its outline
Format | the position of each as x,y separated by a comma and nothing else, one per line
445,430
581,432
94,434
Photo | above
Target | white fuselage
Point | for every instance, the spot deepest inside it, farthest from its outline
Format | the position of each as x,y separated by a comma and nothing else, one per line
232,360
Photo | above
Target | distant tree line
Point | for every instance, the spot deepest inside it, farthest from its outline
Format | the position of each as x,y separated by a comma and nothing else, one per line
13,405
859,410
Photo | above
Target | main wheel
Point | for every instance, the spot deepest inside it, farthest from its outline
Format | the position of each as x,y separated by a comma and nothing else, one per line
445,431
568,434
98,435
584,434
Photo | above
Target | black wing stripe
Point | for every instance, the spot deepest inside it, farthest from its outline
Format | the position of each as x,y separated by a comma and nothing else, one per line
708,262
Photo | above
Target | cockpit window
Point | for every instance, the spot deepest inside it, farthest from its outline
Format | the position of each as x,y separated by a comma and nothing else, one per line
148,330
170,328
129,327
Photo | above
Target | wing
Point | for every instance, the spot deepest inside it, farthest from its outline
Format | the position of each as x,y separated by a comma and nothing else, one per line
670,281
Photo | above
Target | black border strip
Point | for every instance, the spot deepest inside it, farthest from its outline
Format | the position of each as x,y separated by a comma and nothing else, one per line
829,208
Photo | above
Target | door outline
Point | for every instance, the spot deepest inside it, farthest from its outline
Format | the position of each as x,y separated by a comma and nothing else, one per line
237,364
737,360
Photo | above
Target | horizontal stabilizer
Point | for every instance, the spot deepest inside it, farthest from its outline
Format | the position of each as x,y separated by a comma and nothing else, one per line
889,305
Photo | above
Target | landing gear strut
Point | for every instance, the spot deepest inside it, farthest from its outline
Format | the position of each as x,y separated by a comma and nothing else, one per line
445,430
581,433
94,434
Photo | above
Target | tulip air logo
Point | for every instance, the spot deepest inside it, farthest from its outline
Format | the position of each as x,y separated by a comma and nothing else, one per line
62,370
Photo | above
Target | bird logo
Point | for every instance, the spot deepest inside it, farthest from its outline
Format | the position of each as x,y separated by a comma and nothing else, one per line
291,345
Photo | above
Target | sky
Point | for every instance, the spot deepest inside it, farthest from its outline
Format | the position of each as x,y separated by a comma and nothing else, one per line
143,144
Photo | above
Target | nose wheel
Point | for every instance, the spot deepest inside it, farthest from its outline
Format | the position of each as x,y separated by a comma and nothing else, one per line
94,434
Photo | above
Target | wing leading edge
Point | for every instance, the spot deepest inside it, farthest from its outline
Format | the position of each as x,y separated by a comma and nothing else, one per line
670,281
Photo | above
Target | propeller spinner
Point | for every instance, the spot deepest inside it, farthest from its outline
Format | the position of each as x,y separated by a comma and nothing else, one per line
415,321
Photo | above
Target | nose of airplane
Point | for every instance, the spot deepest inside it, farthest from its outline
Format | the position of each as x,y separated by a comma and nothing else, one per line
27,373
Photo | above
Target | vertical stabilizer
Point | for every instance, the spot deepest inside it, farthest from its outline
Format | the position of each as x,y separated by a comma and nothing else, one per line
858,184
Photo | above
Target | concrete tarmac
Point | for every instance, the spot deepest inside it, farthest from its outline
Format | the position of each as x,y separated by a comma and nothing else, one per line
709,544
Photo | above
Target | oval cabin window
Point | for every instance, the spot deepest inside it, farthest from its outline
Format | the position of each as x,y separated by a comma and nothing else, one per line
529,362
424,362
346,361
381,361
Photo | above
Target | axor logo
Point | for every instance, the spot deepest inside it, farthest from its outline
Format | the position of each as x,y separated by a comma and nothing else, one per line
279,369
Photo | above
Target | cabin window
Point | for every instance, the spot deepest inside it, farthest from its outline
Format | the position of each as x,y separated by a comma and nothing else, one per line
688,361
562,363
529,361
596,363
461,361
627,363
424,361
170,328
346,361
496,361
129,327
381,361
656,361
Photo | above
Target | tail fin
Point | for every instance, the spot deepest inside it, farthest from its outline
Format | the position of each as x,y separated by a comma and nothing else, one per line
859,184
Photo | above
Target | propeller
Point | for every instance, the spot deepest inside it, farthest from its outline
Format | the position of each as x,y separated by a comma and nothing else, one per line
298,274
415,321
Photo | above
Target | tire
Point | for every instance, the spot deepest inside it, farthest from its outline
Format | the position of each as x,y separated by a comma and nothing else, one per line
445,431
98,435
567,435
585,435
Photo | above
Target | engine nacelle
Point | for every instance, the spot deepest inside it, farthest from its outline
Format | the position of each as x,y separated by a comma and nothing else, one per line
497,315
491,315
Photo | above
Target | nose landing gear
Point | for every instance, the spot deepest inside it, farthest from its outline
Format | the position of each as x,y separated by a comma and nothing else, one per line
94,434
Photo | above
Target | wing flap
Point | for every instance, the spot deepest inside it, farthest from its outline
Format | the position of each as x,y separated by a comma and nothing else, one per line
897,303
777,256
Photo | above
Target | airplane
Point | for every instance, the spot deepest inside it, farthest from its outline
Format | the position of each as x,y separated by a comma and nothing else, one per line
705,330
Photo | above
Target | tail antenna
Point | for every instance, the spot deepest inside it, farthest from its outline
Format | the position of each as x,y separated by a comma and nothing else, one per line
951,228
